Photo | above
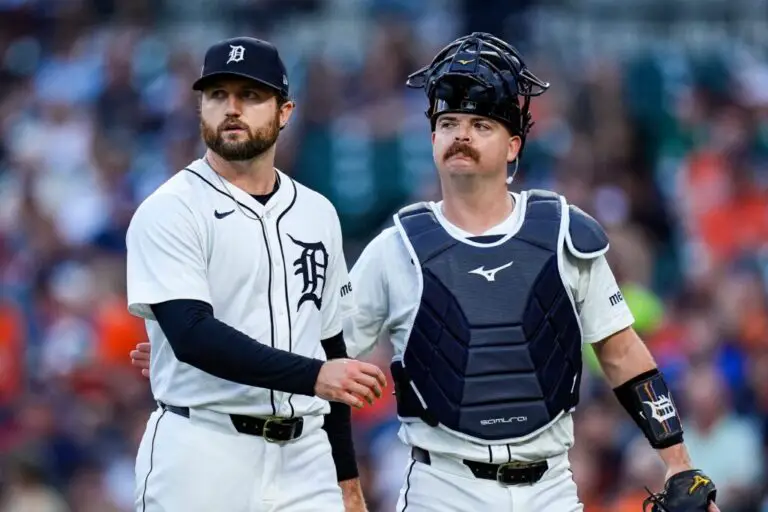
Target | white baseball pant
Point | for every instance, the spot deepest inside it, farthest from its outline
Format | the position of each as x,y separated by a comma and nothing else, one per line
447,485
202,464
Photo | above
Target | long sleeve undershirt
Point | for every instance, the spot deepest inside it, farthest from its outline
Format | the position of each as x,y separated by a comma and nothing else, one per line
200,340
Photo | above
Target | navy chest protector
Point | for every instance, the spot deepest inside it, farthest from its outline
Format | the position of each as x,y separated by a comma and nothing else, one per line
494,352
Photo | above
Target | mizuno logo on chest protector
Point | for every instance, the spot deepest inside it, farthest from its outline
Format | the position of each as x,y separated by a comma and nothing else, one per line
489,274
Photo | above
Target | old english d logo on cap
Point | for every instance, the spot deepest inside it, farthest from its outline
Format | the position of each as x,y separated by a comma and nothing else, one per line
236,53
245,57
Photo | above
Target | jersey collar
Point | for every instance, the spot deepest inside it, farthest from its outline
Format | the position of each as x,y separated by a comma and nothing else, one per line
279,201
508,227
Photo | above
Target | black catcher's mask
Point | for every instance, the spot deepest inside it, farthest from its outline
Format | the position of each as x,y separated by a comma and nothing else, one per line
483,75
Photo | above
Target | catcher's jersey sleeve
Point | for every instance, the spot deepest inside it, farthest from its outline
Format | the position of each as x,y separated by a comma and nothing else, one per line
602,309
165,257
371,286
338,302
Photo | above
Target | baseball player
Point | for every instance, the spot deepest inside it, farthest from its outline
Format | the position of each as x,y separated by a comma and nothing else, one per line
487,297
240,275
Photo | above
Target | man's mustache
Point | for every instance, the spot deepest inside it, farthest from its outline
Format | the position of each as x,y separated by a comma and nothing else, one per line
464,149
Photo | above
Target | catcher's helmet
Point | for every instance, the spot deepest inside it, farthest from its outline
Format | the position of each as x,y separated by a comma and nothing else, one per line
480,74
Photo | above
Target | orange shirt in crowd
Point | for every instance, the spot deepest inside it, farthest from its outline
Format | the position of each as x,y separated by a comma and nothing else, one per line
741,223
593,506
725,222
631,501
117,332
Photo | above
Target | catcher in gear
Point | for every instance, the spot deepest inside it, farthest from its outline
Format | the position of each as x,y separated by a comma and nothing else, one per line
688,491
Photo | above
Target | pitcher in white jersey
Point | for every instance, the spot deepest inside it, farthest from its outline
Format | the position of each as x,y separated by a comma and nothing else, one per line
240,275
487,297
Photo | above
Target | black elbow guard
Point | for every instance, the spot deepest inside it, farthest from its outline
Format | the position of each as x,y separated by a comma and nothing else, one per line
648,400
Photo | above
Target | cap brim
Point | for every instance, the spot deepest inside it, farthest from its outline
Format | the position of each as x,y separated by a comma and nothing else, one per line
203,81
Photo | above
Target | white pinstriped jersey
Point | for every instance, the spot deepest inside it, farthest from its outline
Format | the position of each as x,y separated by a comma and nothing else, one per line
275,272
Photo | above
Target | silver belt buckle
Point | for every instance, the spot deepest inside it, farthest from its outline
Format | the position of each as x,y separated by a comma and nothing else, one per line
264,434
515,464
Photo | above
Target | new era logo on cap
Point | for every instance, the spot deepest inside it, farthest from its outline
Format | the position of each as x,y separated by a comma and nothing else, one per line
245,57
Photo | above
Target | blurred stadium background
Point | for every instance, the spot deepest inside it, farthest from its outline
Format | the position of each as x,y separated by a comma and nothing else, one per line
656,123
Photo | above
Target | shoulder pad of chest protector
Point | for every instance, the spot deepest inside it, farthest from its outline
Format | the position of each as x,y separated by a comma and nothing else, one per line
586,238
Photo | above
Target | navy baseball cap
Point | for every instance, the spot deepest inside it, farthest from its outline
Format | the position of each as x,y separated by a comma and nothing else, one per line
245,57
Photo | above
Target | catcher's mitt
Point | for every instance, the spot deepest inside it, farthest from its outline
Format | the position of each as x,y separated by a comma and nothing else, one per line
689,491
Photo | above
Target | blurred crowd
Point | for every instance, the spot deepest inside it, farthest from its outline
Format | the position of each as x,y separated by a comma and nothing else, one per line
668,149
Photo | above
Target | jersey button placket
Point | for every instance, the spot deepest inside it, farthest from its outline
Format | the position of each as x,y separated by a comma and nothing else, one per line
278,284
277,279
280,281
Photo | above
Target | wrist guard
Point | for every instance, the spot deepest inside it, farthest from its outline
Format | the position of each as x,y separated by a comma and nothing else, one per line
648,400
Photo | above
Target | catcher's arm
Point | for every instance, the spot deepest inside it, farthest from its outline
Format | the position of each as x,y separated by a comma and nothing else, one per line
640,387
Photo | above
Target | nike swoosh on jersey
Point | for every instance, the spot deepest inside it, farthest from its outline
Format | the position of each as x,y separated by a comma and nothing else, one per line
221,215
489,274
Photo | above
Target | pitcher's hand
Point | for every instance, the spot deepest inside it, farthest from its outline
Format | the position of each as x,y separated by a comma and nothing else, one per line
348,381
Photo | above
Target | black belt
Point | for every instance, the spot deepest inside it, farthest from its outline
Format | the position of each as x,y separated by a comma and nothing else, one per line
271,429
509,473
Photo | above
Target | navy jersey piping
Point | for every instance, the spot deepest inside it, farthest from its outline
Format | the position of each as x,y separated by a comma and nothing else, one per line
285,281
269,282
151,463
408,484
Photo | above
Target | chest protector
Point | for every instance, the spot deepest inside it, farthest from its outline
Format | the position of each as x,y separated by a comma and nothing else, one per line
494,353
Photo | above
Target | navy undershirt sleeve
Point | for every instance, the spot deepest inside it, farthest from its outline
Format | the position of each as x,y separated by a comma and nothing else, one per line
200,340
338,424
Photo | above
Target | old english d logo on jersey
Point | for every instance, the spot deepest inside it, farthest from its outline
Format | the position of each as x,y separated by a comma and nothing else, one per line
311,265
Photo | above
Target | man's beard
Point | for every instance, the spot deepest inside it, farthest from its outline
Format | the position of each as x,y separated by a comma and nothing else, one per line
257,143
